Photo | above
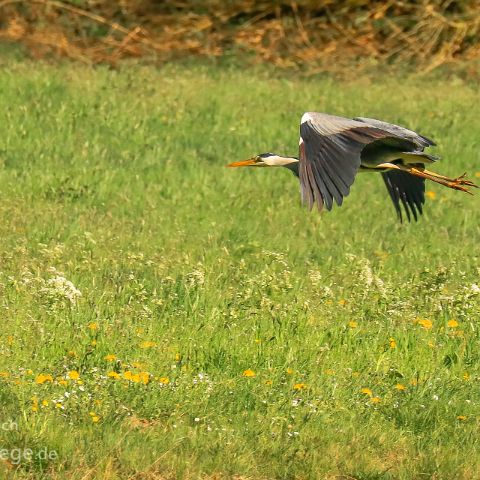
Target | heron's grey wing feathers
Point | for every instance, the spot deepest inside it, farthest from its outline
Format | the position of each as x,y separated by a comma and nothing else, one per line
330,149
402,132
407,189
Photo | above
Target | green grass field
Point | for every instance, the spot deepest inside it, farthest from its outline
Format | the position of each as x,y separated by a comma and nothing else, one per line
165,317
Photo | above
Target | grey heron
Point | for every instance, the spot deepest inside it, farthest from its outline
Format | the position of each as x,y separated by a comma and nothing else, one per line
332,150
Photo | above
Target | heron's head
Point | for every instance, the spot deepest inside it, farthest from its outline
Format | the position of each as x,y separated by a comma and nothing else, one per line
265,160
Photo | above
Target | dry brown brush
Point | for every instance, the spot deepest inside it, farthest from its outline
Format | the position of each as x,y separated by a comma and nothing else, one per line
323,34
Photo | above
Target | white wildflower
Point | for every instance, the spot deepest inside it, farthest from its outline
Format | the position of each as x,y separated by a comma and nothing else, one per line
58,288
195,278
277,257
315,277
474,288
369,278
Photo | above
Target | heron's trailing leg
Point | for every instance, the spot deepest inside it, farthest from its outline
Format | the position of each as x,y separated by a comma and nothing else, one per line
460,179
458,183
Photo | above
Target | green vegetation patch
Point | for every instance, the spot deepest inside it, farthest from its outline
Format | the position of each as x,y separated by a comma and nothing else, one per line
166,317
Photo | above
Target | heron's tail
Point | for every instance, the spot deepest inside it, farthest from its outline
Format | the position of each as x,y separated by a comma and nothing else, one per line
418,157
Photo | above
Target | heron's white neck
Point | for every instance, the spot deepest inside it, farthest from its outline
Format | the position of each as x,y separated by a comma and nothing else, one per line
279,161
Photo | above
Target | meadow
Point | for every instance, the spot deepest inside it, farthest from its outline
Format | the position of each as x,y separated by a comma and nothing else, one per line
166,317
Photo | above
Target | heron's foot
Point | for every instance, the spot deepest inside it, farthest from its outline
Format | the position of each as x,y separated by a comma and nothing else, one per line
461,183
458,186
461,180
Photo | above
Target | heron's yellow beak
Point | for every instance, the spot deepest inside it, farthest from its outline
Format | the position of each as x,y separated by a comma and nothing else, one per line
243,163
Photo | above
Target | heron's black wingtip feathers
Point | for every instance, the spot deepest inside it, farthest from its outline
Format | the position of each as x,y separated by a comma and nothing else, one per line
407,190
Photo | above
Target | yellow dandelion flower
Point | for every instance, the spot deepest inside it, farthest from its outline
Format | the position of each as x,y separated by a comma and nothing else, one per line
452,323
95,418
164,380
414,382
425,323
430,194
466,376
58,405
431,344
355,374
178,357
268,382
352,324
93,343
10,340
93,326
342,302
289,371
400,387
42,378
366,391
249,373
72,353
477,174
63,382
329,371
34,408
144,377
29,372
114,375
4,374
375,400
45,403
73,375
127,375
147,344
299,386
110,358
135,378
258,340
393,343
462,418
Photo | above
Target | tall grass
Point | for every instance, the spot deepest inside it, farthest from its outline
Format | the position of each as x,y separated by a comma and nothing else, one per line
166,317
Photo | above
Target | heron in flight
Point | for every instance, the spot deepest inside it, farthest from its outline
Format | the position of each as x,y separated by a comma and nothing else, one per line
332,150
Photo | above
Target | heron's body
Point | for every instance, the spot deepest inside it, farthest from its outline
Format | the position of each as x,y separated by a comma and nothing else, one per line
332,150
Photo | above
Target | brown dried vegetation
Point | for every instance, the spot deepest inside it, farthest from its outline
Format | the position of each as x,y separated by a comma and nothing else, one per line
286,33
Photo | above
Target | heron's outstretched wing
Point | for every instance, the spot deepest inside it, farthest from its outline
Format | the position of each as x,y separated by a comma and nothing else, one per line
398,131
330,149
405,188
